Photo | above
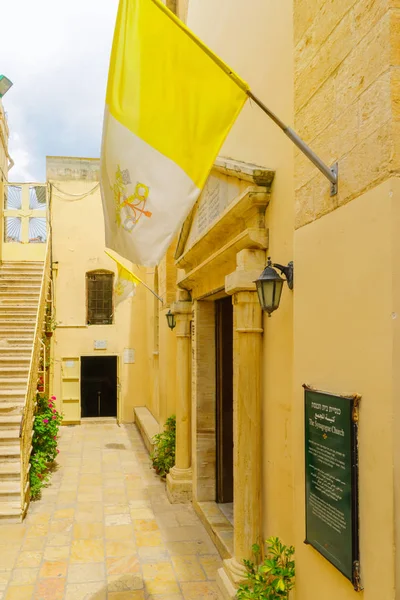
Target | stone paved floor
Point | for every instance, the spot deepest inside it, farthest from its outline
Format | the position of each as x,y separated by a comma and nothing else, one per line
104,529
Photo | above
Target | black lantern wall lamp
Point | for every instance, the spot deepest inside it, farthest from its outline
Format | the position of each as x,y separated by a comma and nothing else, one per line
269,285
171,320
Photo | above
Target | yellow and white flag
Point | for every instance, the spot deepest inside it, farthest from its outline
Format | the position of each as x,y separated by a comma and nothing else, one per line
125,284
170,104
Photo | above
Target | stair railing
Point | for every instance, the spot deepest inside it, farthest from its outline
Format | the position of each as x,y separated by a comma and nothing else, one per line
28,414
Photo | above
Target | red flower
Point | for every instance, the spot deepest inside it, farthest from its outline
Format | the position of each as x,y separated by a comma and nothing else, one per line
58,452
54,417
45,420
53,398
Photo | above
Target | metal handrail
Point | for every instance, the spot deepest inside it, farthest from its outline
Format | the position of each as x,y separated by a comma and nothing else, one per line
31,388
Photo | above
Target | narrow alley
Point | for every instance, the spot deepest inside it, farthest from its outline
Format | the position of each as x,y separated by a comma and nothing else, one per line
104,528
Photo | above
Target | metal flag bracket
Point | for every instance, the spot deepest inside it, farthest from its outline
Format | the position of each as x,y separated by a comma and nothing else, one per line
331,173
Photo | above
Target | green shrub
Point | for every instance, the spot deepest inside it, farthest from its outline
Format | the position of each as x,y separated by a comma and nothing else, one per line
273,578
44,442
163,456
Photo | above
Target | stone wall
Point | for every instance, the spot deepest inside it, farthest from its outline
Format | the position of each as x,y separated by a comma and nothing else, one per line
347,98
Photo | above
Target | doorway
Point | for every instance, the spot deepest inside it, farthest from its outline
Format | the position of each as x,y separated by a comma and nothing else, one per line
224,400
99,386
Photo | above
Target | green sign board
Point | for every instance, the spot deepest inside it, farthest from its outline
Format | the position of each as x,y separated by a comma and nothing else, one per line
331,469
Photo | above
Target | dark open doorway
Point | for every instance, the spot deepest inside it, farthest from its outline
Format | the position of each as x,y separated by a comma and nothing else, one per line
224,388
99,386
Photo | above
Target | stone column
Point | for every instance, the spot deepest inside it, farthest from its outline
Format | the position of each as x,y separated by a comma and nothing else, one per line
247,347
179,479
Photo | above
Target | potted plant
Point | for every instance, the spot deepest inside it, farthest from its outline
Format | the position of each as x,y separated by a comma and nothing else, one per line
50,325
40,384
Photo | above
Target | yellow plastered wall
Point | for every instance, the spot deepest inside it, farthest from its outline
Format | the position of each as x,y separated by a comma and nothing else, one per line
256,41
78,247
346,329
347,279
161,341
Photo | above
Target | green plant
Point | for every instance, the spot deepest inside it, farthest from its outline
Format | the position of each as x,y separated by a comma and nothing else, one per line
44,442
273,578
50,322
163,456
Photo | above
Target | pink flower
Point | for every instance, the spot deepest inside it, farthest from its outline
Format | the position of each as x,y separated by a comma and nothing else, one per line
53,398
45,420
55,437
54,417
54,410
58,452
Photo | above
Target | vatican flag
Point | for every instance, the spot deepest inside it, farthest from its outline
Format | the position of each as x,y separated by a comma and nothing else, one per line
126,282
170,104
124,286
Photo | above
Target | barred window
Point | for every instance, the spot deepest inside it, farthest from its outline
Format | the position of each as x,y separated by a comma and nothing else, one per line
99,289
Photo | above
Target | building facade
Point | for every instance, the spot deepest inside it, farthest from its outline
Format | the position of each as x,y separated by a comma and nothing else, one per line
331,70
101,356
232,376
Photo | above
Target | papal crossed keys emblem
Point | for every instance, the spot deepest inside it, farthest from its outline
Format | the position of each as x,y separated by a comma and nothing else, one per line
130,207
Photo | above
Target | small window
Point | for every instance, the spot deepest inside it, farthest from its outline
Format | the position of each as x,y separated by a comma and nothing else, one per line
99,289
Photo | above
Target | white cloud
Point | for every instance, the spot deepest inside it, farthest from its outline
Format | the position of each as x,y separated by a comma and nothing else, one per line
57,55
22,169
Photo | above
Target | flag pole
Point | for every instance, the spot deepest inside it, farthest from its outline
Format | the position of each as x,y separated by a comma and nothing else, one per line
330,173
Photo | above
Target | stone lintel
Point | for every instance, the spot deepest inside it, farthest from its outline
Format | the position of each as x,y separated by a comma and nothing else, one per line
246,171
244,213
224,255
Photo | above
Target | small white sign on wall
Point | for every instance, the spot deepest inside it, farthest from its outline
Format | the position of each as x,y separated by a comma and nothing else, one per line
129,355
70,364
100,344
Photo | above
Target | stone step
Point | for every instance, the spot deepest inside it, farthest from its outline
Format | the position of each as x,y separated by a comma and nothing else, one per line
13,409
14,362
19,330
22,292
8,328
26,309
22,266
9,489
10,352
12,395
11,422
10,513
12,384
12,320
19,289
19,342
9,437
10,452
10,470
10,371
29,275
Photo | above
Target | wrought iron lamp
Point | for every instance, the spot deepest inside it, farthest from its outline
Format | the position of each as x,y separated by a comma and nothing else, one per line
171,320
269,285
5,85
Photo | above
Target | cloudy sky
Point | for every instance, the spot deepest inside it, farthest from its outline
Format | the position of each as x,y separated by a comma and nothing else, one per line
56,54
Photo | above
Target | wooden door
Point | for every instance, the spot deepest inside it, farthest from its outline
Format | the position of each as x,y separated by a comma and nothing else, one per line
224,387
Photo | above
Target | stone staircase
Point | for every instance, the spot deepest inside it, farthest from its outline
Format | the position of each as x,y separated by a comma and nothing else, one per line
19,296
